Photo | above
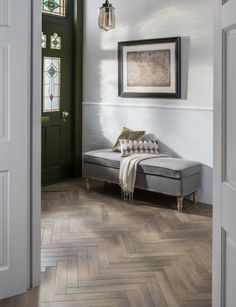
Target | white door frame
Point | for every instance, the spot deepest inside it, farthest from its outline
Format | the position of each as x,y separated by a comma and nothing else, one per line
216,294
36,157
35,182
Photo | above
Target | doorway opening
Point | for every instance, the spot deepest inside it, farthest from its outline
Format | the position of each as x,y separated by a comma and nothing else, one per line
61,42
99,249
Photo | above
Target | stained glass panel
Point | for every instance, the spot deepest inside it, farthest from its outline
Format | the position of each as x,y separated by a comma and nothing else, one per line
51,84
55,41
53,7
43,40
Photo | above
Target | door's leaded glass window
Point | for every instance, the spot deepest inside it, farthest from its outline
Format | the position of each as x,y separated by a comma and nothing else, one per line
51,84
43,40
54,7
55,41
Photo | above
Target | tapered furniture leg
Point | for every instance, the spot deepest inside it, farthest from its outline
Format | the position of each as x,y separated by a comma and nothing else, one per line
195,198
87,184
180,201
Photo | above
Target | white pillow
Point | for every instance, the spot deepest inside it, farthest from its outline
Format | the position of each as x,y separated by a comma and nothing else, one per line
129,147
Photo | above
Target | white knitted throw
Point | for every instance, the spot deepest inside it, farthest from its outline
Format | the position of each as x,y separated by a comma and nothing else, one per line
128,172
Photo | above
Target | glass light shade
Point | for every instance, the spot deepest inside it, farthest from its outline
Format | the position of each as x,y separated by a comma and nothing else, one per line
107,19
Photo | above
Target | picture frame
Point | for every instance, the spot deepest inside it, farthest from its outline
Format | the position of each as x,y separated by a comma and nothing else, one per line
150,68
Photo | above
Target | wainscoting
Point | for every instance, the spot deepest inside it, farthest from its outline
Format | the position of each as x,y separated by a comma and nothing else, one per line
186,131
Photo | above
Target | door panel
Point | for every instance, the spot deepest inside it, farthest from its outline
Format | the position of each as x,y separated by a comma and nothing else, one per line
4,84
54,135
57,155
230,113
230,281
228,208
4,214
14,144
4,13
43,149
224,253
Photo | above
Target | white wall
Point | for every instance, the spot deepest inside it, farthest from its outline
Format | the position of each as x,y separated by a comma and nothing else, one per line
184,125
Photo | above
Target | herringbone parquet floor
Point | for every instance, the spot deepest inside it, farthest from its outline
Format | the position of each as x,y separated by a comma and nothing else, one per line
98,250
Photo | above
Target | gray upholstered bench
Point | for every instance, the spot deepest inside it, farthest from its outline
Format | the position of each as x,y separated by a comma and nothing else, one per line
166,175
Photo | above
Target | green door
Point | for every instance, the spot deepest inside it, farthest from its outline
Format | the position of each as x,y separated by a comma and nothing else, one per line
57,155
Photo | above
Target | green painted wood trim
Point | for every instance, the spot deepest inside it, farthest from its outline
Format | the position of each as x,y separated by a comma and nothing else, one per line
78,85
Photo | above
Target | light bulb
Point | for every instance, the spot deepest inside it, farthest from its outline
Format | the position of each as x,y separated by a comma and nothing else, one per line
107,19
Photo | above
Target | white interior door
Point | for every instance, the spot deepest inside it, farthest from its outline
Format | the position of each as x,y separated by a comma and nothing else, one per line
224,251
15,28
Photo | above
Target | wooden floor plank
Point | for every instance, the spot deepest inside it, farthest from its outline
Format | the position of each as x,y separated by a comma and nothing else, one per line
100,251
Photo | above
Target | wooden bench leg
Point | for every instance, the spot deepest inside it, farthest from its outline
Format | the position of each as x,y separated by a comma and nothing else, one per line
180,201
87,184
195,197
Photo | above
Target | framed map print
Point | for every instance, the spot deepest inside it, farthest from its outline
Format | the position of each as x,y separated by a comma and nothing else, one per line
150,68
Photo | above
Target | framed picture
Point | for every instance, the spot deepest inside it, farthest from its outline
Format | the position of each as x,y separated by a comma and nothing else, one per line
150,68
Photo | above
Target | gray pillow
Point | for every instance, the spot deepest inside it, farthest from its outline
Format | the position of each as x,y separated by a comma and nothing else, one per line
150,137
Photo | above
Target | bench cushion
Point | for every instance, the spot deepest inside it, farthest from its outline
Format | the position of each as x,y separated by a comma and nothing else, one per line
163,166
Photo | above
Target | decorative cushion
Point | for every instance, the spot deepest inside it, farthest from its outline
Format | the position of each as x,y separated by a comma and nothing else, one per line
128,134
129,147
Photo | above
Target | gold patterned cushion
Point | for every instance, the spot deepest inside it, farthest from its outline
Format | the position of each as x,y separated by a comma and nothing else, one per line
128,134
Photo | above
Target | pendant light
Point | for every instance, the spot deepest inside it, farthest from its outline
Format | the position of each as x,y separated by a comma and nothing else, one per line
107,19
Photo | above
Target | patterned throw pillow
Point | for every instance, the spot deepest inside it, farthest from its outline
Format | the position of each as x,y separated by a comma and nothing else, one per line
129,147
128,134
